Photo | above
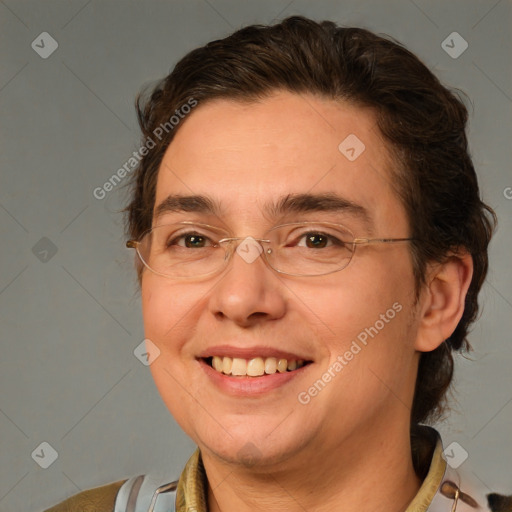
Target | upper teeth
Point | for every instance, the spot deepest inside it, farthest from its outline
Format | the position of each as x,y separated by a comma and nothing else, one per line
254,367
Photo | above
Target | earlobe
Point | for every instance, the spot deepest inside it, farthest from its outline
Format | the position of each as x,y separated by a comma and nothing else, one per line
442,300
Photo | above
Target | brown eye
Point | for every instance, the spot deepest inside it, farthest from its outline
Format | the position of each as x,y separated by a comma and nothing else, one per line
194,241
189,241
316,240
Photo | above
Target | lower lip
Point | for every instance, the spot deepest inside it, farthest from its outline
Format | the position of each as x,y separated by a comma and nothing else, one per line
249,386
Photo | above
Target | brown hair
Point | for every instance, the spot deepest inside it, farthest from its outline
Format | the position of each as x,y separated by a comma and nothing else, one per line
423,122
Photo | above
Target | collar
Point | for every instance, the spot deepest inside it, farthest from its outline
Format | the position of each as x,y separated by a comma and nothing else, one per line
191,494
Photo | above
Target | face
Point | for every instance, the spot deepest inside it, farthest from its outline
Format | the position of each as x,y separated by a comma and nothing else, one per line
352,331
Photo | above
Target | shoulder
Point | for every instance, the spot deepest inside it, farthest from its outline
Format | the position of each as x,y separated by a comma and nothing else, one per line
460,490
446,487
99,499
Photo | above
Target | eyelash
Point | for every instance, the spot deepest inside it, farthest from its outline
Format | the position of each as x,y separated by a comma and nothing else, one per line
296,240
182,236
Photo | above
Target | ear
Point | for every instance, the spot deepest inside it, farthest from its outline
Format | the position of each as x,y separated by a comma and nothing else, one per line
442,300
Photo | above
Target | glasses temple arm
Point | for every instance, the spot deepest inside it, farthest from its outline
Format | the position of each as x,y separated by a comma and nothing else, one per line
381,240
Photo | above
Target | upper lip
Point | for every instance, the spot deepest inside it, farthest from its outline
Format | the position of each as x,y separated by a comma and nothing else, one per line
250,353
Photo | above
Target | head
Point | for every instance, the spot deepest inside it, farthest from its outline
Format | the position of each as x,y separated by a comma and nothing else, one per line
261,114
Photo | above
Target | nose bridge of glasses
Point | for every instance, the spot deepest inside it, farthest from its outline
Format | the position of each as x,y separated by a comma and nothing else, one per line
248,247
243,238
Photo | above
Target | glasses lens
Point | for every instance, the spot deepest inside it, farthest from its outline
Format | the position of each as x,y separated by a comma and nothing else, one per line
193,250
310,249
182,250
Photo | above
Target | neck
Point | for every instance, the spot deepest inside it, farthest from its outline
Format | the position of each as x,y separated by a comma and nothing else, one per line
364,473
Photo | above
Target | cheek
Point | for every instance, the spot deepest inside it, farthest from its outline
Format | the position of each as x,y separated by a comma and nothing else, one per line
370,307
169,312
382,336
170,318
357,296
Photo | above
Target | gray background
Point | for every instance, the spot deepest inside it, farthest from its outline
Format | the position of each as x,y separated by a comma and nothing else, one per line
70,321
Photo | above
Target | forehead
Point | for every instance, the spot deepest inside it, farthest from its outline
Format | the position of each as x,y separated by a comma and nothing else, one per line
245,156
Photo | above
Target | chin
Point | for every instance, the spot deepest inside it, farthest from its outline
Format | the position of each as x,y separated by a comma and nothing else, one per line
251,456
253,447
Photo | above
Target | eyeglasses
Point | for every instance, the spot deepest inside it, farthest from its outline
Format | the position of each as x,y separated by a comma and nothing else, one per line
190,250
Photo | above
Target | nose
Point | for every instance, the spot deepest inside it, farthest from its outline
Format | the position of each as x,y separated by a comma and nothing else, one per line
249,292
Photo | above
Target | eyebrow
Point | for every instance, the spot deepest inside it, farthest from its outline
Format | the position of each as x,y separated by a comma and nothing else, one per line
291,203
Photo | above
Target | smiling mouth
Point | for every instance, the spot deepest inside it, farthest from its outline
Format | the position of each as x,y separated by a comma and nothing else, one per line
255,367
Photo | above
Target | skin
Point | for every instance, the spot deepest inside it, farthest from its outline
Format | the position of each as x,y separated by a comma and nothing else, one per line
348,448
